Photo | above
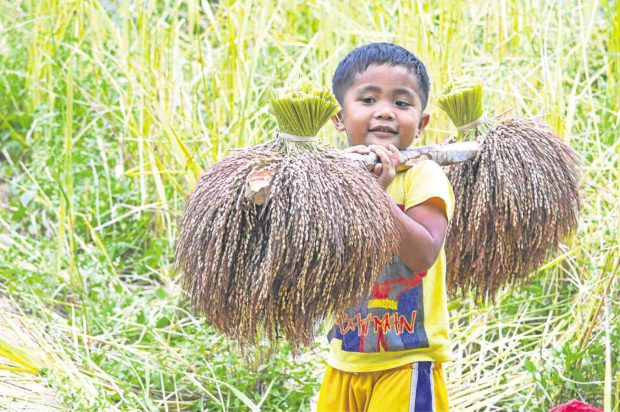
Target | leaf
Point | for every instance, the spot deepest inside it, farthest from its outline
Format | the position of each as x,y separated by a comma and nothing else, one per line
160,293
529,366
242,396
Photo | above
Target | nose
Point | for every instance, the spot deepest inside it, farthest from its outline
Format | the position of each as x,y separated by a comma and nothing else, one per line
384,111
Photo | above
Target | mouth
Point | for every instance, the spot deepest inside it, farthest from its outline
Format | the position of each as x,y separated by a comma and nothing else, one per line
383,131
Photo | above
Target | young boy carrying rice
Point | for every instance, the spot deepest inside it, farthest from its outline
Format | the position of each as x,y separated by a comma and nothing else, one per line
387,354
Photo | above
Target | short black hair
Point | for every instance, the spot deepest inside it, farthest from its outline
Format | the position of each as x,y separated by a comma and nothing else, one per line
358,60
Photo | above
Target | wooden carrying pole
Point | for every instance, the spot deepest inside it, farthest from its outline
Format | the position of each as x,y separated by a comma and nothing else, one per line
447,153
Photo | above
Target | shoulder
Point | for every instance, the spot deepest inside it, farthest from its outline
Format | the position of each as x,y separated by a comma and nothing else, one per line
426,176
427,180
426,169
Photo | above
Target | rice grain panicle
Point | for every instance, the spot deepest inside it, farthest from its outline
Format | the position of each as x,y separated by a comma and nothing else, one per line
314,246
515,202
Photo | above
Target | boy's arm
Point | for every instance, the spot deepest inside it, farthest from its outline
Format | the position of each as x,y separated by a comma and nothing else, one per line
423,227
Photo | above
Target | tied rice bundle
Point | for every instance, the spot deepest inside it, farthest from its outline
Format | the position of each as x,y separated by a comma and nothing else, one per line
515,201
306,246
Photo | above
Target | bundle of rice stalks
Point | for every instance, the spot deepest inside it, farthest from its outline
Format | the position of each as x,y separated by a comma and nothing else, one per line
515,201
309,247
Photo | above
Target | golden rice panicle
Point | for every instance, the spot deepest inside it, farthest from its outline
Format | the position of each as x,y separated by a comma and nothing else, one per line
312,248
515,202
259,271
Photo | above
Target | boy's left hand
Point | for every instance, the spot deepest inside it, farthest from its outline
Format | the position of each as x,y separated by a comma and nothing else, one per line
386,170
389,157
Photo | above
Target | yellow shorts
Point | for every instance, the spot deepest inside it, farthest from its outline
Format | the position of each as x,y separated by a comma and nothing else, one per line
417,387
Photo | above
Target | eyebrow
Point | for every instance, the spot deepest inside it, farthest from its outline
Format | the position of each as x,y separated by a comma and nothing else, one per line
368,88
406,91
375,89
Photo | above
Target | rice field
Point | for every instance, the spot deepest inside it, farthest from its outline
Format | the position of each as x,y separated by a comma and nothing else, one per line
110,111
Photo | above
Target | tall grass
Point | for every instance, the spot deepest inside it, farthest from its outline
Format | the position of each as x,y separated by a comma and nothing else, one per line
110,110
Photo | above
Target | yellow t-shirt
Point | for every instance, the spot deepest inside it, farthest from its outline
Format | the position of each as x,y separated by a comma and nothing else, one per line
405,319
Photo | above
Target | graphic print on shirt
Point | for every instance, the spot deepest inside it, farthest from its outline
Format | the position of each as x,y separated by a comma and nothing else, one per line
391,319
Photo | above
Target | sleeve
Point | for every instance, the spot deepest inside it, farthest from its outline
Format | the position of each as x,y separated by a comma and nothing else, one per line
425,181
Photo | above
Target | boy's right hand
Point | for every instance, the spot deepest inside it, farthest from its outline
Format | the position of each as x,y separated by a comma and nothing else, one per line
389,157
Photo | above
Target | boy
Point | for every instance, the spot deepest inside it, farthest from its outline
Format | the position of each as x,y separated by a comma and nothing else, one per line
386,354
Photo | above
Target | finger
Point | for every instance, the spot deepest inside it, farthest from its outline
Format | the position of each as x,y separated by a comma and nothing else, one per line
378,169
394,150
361,149
383,154
379,150
395,153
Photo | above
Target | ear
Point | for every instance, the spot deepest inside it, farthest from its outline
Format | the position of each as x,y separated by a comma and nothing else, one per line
426,117
338,122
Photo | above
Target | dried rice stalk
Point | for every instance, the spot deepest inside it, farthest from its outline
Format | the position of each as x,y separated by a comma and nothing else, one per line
515,201
312,248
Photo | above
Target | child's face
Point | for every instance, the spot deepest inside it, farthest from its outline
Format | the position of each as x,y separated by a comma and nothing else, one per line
382,107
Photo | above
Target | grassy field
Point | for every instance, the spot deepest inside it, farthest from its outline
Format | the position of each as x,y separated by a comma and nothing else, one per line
110,110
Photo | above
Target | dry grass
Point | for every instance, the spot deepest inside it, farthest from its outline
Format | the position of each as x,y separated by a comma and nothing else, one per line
21,387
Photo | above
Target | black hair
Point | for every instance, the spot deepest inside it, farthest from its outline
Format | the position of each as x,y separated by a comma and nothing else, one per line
358,60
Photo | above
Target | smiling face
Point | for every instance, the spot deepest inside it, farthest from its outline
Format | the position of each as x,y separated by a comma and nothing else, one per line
382,107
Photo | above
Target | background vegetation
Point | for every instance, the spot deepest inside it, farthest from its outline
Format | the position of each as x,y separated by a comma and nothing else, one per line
110,110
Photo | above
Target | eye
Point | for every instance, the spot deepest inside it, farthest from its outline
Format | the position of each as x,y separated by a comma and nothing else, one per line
367,99
403,103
